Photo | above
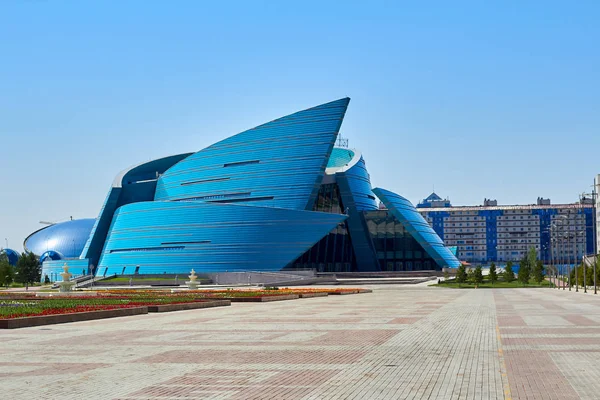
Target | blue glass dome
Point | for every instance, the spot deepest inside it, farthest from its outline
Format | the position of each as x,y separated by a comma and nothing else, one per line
64,240
51,255
12,256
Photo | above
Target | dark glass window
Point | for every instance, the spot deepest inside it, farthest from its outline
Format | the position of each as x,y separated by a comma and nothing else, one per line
396,249
334,252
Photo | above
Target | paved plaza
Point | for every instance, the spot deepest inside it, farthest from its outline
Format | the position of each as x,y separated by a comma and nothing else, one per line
398,342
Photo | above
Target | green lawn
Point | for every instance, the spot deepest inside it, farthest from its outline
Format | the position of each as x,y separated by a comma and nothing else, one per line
451,283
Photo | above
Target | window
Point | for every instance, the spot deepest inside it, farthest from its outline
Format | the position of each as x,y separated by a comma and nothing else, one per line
240,163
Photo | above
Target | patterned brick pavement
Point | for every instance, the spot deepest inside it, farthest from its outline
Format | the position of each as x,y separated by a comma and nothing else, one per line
550,340
398,342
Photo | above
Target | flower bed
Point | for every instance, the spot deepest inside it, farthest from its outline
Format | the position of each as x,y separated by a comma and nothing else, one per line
25,309
232,294
37,320
31,307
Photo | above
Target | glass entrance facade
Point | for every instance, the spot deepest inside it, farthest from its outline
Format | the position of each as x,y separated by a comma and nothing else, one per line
396,248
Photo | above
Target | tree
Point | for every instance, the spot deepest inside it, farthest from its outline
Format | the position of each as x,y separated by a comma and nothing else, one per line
28,269
470,276
589,275
509,274
532,258
493,275
538,271
7,272
524,271
461,274
477,275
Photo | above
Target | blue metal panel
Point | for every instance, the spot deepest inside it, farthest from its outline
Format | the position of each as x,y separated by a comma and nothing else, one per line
357,196
95,242
416,225
491,232
149,171
278,164
358,184
11,255
174,237
67,238
132,185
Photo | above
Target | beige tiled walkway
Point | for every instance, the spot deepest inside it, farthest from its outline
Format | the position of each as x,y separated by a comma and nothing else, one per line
397,342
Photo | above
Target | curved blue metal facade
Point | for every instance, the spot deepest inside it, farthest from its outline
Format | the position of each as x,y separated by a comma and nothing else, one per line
12,256
278,164
358,183
357,196
415,224
132,185
174,237
242,205
67,238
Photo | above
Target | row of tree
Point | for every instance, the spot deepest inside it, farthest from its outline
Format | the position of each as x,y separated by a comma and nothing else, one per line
530,267
27,271
589,274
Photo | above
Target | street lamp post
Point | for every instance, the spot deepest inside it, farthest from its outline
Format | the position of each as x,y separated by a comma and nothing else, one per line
552,256
575,263
565,223
566,267
583,261
561,253
561,248
595,261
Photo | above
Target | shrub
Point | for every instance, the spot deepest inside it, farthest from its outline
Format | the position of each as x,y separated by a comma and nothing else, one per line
493,275
509,274
461,274
524,271
477,275
538,271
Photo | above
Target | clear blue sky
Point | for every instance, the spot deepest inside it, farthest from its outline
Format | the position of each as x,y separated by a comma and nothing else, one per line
497,99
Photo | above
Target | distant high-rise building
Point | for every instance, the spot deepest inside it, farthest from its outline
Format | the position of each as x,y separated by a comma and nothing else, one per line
482,234
434,201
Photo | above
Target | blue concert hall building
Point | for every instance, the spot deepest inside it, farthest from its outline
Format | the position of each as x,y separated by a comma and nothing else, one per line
277,197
